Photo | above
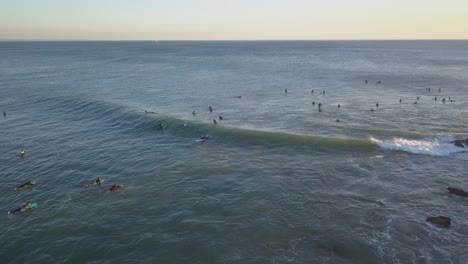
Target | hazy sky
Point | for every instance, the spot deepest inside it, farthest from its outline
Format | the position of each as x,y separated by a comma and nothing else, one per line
237,19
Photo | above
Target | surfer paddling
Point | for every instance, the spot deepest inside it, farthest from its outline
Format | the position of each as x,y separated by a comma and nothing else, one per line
114,188
24,185
98,181
25,207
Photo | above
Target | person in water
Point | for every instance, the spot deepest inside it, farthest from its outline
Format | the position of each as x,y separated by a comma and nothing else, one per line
312,91
400,100
320,107
194,113
285,91
23,208
4,114
23,151
220,118
313,103
377,104
24,185
114,188
460,143
214,121
161,126
365,81
98,181
339,106
210,108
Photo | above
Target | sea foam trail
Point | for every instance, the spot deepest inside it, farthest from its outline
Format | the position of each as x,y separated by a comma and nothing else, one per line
432,147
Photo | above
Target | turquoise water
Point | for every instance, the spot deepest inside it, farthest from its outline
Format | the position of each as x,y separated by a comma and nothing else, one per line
276,182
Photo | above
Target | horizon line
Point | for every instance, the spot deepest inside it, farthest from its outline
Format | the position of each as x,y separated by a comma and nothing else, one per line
214,40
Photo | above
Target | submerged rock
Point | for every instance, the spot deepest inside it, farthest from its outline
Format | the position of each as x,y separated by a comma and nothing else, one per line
439,220
457,191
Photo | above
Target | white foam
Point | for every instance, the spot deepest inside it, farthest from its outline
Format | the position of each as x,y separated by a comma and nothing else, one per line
433,147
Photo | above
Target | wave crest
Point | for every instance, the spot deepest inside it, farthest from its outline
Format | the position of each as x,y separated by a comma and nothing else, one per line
433,147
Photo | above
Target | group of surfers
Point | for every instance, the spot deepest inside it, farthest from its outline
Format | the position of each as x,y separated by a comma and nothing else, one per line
28,205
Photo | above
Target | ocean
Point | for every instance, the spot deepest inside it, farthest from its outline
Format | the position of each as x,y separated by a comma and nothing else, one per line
277,180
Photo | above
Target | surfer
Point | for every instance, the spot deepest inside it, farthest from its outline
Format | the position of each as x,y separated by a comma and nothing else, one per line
338,121
23,152
114,188
194,113
149,112
210,108
220,118
377,104
214,122
313,103
320,107
98,181
417,98
400,100
161,126
24,185
182,125
365,81
285,91
4,114
24,207
435,98
312,91
443,100
339,106
460,143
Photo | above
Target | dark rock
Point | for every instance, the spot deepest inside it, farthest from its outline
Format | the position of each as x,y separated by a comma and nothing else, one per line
439,220
457,191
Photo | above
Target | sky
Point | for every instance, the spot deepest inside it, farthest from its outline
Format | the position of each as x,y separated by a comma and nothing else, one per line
232,20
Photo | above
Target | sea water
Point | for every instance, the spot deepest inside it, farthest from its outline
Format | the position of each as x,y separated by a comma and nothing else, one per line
276,181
